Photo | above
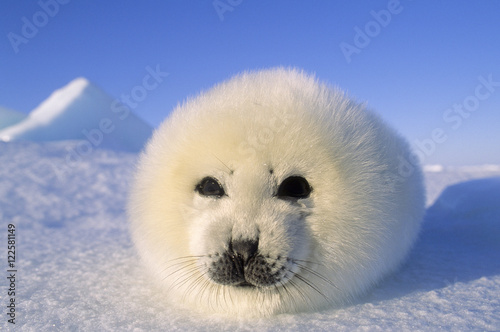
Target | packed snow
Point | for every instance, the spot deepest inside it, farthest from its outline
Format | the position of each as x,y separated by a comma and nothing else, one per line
82,111
77,268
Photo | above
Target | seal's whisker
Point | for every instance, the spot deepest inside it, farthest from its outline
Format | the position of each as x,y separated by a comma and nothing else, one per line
186,257
309,262
195,281
226,166
217,294
186,266
184,277
185,260
311,285
289,294
317,274
206,284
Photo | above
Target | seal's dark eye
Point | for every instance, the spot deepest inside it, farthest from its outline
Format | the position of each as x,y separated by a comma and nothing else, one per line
294,187
210,187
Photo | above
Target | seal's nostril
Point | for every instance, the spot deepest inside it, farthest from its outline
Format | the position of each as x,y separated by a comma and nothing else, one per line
246,249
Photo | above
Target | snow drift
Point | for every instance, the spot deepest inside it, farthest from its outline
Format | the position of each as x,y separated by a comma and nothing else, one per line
81,111
78,270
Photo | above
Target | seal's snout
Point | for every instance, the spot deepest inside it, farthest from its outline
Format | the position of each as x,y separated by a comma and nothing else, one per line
242,265
244,249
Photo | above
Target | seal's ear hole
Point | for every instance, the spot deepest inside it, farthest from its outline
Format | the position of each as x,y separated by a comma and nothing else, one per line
209,186
294,187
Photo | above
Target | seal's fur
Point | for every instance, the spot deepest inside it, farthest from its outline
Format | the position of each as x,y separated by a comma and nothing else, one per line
273,193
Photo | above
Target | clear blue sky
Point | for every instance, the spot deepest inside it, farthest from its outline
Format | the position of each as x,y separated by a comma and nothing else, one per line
414,69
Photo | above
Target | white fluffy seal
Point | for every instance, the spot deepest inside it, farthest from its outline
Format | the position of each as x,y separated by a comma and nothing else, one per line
273,193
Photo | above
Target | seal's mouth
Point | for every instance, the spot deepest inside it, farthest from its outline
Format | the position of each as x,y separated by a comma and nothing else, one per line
243,265
257,271
245,284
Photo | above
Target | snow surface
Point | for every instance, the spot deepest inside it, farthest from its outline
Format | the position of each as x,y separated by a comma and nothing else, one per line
9,117
78,270
82,111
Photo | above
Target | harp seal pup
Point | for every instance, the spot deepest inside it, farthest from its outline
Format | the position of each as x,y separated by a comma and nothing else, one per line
273,193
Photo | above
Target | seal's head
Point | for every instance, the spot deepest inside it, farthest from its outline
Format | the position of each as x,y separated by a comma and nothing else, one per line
273,193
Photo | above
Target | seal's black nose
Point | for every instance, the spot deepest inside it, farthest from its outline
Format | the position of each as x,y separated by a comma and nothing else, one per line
245,249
